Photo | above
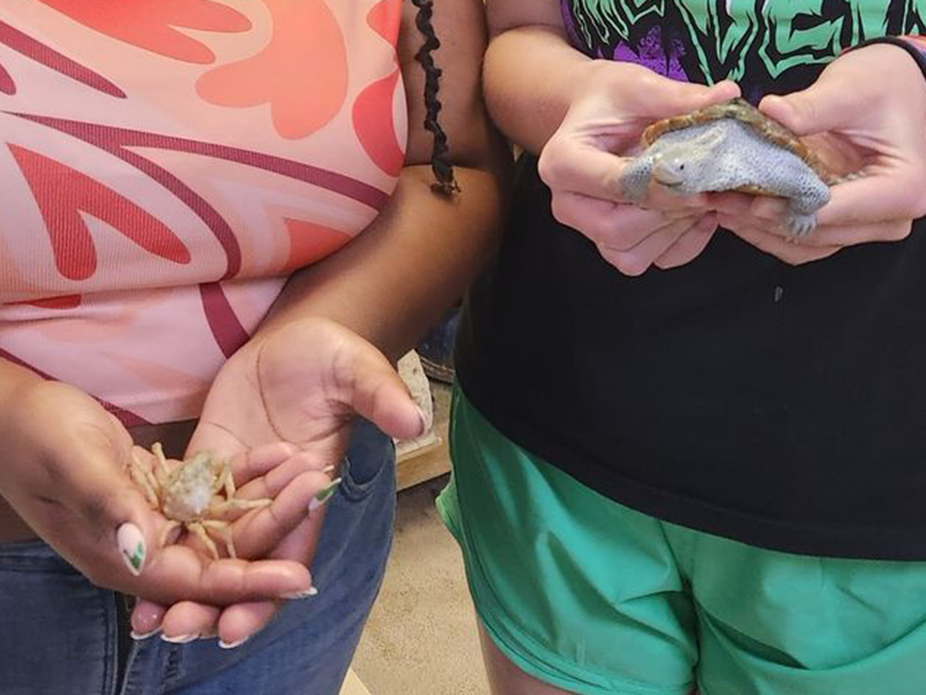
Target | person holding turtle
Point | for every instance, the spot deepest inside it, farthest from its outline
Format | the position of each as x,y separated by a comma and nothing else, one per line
222,223
688,448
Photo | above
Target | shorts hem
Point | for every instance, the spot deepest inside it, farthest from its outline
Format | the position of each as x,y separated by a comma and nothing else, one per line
543,664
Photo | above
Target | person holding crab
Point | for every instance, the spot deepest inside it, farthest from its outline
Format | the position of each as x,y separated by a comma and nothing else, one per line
222,223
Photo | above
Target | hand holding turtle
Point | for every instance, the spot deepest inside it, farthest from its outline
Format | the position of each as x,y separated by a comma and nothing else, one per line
583,172
871,101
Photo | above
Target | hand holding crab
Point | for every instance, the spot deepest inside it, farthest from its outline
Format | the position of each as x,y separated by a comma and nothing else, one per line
64,473
188,495
281,410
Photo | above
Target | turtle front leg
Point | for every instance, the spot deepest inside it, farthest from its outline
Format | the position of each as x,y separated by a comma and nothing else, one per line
636,177
807,195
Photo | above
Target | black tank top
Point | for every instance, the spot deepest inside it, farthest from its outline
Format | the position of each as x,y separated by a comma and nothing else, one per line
781,406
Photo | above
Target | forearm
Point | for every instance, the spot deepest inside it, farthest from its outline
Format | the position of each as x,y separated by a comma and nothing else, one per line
14,378
531,77
400,275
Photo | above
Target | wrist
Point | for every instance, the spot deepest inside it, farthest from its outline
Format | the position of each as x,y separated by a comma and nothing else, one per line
593,77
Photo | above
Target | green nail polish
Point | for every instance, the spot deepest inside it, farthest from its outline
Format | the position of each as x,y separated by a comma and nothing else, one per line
137,557
324,495
132,547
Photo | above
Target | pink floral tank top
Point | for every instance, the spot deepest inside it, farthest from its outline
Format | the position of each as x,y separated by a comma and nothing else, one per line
166,164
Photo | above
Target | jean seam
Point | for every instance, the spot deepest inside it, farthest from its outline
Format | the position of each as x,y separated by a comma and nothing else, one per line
357,492
109,642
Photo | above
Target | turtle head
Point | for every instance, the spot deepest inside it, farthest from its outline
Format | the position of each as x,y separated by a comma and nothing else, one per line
686,165
679,172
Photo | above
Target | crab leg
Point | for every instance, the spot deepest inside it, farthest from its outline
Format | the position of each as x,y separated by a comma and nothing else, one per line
239,504
171,525
198,528
224,528
144,479
162,470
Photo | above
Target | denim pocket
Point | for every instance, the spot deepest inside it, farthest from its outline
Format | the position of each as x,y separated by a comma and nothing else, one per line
58,633
370,456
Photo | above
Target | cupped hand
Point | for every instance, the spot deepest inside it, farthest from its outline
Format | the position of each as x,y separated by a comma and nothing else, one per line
283,406
870,102
582,165
64,472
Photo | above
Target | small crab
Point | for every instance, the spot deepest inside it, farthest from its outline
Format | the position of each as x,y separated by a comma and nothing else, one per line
192,493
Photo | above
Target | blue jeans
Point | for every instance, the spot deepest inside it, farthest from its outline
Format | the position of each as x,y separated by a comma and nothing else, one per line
59,634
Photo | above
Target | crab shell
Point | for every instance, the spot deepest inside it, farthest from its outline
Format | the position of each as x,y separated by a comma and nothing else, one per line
744,112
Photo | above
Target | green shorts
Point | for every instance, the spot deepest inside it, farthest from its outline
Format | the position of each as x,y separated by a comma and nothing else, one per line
593,597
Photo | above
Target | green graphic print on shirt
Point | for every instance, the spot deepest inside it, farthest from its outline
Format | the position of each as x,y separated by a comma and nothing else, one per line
765,45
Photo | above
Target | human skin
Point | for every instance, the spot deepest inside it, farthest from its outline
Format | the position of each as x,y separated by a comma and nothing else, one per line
581,115
585,113
356,311
889,141
576,113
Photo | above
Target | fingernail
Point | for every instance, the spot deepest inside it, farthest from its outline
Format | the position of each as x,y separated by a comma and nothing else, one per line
131,544
139,636
180,639
424,421
324,495
232,645
296,595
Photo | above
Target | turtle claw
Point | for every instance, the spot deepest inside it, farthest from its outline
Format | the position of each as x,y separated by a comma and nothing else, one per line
799,224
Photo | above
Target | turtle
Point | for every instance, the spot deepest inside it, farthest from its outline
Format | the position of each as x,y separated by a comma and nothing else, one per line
732,146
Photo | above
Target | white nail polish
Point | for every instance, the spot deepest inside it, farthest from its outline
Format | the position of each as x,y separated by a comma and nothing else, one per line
232,645
180,639
296,595
131,544
139,636
323,495
424,422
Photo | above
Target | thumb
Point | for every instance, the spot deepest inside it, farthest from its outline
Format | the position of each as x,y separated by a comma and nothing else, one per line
821,107
666,97
104,495
378,394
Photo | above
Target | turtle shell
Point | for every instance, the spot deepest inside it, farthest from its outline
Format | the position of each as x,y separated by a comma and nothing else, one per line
745,113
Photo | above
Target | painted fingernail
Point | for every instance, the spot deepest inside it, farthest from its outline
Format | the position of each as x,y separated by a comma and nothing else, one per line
139,636
180,639
131,544
324,495
424,422
296,595
231,645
